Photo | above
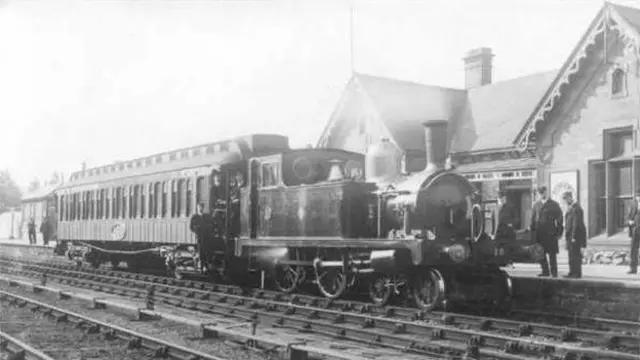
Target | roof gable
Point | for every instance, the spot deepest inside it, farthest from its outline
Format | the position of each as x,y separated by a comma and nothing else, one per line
622,19
403,106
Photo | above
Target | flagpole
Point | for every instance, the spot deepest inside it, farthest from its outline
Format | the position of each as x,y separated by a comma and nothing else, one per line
351,45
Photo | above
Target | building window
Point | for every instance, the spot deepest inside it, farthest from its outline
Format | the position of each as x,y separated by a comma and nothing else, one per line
618,82
612,183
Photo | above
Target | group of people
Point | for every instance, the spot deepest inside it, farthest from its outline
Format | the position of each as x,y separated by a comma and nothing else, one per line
547,225
45,228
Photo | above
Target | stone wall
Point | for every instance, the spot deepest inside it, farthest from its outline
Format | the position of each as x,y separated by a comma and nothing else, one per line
582,298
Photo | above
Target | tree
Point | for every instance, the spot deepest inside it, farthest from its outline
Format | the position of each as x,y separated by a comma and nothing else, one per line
34,185
55,178
9,191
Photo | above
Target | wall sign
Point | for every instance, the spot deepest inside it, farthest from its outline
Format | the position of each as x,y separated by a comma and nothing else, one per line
560,182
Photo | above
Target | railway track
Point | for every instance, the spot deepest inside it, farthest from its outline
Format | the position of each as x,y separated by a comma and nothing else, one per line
447,335
62,334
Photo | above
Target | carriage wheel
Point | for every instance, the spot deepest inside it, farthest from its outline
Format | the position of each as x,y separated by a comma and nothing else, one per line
428,289
288,277
381,289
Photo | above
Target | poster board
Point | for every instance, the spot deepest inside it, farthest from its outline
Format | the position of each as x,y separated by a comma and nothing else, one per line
562,181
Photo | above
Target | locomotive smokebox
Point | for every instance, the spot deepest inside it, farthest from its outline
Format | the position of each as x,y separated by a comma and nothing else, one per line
435,138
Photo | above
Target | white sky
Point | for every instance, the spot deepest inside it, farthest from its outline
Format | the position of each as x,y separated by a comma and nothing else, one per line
110,80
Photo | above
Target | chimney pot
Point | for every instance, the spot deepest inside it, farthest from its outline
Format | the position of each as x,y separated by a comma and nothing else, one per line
435,137
478,67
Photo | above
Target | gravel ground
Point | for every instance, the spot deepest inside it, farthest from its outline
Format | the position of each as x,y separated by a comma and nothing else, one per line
62,340
170,331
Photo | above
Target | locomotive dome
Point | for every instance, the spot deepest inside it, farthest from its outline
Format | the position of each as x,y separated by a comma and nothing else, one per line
382,162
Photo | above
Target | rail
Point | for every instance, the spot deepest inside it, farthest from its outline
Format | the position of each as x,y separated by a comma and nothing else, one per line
494,337
19,350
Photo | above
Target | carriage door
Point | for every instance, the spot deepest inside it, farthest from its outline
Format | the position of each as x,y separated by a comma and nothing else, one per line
218,201
254,198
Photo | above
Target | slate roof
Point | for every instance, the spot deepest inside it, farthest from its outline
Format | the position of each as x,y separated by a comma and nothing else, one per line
474,114
404,105
494,114
631,15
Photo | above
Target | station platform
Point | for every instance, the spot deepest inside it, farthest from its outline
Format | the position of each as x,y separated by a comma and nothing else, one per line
596,272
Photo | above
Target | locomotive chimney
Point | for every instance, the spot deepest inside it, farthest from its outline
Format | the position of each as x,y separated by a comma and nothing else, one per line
435,137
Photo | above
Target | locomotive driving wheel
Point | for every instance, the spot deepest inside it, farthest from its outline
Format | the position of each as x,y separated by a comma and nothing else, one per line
428,290
381,288
288,277
332,282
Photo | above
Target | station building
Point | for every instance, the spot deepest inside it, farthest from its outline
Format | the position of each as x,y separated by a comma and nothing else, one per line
574,128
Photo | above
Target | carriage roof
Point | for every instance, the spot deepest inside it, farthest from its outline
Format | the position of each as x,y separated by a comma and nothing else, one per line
220,152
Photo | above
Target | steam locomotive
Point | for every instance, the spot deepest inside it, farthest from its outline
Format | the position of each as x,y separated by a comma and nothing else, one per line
333,218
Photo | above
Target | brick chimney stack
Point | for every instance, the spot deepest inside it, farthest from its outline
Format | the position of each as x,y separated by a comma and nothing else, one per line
477,66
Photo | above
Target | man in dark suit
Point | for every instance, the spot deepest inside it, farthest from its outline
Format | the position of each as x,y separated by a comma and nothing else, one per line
507,215
634,233
546,227
575,235
201,225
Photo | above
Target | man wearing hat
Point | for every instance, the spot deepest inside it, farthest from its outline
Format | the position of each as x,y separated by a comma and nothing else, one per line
546,227
634,233
507,216
575,235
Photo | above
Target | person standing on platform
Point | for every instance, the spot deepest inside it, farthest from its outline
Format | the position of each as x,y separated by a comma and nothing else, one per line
634,233
200,225
45,229
575,235
546,227
31,229
507,216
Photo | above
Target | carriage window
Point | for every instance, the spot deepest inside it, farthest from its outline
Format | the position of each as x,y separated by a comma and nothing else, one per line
180,194
187,210
61,206
164,198
134,204
99,211
199,189
143,200
107,205
153,210
174,198
92,207
116,203
270,174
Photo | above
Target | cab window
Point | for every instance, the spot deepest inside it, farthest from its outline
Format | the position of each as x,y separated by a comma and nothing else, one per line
270,174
